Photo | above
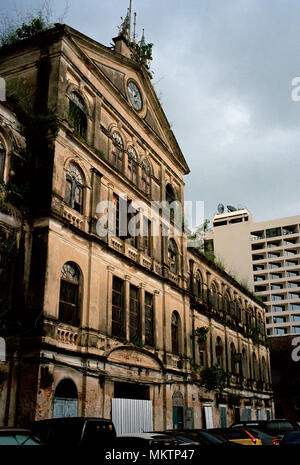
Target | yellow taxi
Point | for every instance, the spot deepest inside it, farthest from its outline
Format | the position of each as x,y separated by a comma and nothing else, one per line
239,435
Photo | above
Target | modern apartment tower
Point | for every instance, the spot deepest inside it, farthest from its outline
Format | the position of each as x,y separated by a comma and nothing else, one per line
266,256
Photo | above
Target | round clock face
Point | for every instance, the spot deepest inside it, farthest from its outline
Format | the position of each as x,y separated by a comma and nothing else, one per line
135,95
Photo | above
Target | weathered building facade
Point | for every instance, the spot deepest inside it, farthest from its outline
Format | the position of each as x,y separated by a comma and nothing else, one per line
114,318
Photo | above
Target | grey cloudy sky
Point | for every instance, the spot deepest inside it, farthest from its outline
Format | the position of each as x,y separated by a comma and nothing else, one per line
223,71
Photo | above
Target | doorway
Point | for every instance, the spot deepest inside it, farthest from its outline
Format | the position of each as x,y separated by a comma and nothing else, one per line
65,403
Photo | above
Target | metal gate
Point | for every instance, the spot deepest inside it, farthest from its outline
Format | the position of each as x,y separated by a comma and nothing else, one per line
132,415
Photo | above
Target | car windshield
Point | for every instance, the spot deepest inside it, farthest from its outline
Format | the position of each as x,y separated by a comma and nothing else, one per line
18,439
214,438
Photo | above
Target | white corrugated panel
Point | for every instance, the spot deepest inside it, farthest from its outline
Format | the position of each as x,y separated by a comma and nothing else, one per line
132,415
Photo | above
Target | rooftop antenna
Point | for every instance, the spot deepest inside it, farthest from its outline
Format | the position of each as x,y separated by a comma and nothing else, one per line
129,28
134,24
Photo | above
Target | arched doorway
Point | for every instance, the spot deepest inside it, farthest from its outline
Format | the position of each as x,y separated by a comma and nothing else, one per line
178,406
65,403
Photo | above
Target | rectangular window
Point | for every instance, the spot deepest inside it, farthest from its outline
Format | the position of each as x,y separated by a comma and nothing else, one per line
275,287
277,297
293,284
149,320
294,296
273,232
279,331
296,329
134,315
273,255
279,320
295,317
117,307
257,235
258,267
275,276
291,252
277,308
289,263
295,306
291,274
274,265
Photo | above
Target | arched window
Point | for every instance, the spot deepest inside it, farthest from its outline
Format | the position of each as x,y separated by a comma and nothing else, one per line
244,362
2,161
175,331
170,198
214,296
74,188
145,181
70,294
78,114
173,256
132,165
219,351
117,151
232,358
199,286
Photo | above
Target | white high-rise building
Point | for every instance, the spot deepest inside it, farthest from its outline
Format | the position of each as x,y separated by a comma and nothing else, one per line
266,257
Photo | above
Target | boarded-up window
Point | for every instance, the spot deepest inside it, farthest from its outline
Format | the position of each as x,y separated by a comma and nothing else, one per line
78,114
149,320
173,256
145,181
132,165
117,151
117,307
175,327
69,300
74,188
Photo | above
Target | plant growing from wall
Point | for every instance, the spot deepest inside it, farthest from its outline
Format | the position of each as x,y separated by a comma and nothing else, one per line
214,378
201,334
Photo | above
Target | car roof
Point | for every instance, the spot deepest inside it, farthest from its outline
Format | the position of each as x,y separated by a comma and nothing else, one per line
146,435
9,429
71,420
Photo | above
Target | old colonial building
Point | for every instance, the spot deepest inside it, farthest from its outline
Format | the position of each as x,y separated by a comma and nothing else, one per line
117,323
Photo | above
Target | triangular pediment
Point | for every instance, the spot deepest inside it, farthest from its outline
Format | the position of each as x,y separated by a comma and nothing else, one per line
116,76
117,70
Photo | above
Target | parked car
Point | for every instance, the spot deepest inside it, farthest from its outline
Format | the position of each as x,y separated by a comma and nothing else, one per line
239,435
291,439
182,438
19,437
143,440
266,439
276,428
202,437
75,431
